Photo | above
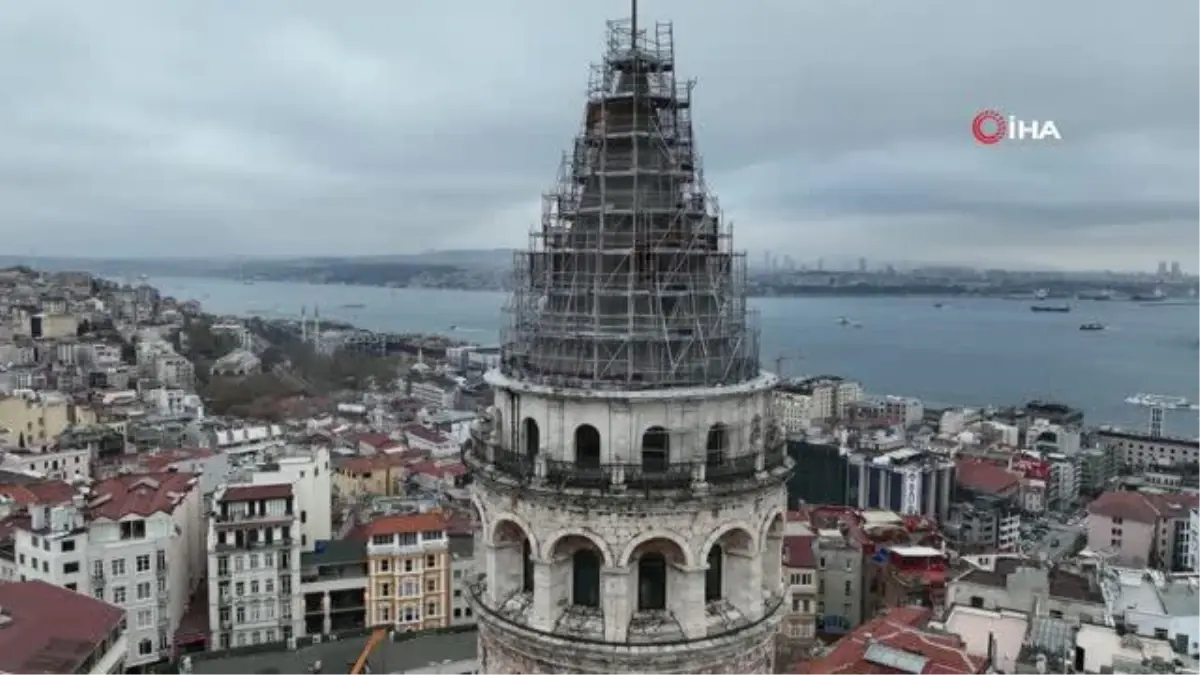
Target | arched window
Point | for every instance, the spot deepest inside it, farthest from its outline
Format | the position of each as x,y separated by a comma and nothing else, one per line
532,439
587,446
652,582
716,445
585,578
527,567
714,576
656,449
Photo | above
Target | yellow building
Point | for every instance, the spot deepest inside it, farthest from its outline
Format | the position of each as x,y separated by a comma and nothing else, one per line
408,571
39,419
378,475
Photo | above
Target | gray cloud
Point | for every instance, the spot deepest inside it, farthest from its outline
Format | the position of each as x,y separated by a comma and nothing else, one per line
298,126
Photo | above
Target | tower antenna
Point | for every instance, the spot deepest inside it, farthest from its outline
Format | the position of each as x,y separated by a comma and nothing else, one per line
633,25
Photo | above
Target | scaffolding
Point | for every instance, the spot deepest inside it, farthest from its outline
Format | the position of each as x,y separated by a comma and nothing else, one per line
631,281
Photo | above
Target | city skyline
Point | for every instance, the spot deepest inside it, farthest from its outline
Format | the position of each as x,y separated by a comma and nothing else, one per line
149,130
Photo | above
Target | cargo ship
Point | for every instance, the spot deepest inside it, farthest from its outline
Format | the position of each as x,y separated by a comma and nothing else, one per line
1061,309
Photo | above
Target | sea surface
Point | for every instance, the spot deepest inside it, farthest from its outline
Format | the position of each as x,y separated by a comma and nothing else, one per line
968,352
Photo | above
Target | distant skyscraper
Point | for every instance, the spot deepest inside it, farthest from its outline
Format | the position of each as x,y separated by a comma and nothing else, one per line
1162,268
862,265
1176,272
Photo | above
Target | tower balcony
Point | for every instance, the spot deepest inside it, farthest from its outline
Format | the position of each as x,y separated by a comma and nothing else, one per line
725,473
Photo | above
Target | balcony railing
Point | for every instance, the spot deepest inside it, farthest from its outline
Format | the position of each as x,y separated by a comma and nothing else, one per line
646,475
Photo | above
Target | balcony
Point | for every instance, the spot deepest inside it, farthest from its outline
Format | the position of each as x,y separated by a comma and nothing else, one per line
634,476
241,518
255,545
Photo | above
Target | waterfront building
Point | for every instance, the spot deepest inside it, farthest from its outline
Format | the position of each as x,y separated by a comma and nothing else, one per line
629,480
907,480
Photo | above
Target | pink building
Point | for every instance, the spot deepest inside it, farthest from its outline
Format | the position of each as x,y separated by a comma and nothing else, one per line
1142,529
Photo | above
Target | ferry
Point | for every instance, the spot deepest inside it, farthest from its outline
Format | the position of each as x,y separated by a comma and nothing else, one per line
1061,309
1160,401
1092,325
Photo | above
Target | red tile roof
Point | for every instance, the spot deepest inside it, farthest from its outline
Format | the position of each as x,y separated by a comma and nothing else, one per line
798,551
986,477
242,493
160,461
900,630
426,434
360,465
139,494
432,521
440,468
53,630
1142,507
377,441
48,492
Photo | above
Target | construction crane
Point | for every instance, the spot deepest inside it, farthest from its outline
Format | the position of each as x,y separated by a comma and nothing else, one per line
360,666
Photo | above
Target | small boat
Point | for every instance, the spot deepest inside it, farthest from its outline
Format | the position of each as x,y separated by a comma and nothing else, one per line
353,305
843,321
939,305
1092,325
1061,309
453,326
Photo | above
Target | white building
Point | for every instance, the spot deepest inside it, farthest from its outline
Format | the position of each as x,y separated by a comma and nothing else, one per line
1193,541
308,471
1153,605
254,566
65,464
133,541
174,402
801,402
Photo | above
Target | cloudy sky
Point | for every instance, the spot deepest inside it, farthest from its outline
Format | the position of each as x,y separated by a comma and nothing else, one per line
828,128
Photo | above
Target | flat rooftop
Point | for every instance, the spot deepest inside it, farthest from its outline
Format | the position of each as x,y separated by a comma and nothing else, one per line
338,656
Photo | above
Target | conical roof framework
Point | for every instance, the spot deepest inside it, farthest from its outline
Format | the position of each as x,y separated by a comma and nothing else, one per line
631,280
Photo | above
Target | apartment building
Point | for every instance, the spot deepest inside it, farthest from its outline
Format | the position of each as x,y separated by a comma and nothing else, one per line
380,475
1140,450
800,577
333,583
133,541
35,419
1142,529
55,464
463,568
802,402
308,472
409,571
254,553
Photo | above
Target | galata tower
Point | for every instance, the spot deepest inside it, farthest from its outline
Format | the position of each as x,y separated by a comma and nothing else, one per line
629,480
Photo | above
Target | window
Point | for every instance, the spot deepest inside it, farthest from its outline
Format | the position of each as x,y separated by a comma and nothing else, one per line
118,595
269,560
430,585
72,587
385,565
240,613
241,639
143,563
143,590
976,601
714,576
821,563
253,561
796,603
118,567
1056,614
587,446
430,561
656,449
458,612
145,647
849,588
239,589
144,618
408,565
269,585
715,446
71,568
254,587
410,588
223,566
1160,634
68,545
133,529
239,563
794,579
806,579
385,590
531,437
303,517
526,567
585,578
652,582
411,613
432,609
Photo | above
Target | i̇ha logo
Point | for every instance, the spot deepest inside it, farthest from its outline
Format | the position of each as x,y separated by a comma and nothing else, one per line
991,126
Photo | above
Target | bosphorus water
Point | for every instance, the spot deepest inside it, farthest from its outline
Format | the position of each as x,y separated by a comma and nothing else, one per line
970,351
